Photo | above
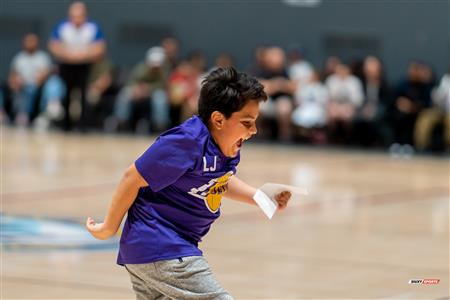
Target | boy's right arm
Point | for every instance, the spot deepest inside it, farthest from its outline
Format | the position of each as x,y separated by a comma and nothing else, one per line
122,199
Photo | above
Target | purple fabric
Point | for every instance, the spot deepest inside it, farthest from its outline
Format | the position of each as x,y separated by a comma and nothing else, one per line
187,176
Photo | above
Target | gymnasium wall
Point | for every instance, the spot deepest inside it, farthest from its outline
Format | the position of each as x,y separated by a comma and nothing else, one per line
397,30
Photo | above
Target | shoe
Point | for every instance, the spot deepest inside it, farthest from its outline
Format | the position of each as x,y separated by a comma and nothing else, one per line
394,150
41,123
55,111
407,151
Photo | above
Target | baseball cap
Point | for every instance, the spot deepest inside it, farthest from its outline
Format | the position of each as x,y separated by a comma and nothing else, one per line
155,56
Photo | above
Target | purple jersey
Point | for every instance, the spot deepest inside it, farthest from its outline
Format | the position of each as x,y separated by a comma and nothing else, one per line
187,176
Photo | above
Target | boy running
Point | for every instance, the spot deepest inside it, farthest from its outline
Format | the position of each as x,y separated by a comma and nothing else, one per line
173,192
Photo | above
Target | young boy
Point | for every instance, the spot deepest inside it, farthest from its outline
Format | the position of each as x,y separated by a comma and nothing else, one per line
173,192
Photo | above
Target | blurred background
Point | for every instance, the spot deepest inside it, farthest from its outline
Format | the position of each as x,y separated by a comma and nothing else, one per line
358,114
360,73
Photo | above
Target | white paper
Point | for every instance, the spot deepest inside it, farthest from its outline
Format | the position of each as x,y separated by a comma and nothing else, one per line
267,205
264,196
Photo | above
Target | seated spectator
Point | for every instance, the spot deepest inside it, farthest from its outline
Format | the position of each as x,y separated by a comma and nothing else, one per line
224,60
299,69
143,100
280,89
413,95
198,60
5,103
29,71
330,67
171,48
431,118
311,113
346,96
51,108
371,127
258,64
183,89
101,92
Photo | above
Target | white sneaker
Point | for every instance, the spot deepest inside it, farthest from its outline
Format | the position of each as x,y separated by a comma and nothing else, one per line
394,150
41,123
55,110
407,151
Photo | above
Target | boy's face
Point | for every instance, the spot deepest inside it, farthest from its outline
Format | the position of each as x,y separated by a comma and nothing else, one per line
230,133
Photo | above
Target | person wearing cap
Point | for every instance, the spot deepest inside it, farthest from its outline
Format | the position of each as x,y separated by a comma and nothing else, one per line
144,97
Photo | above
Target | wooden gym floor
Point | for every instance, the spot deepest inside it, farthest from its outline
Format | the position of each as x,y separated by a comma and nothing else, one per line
369,224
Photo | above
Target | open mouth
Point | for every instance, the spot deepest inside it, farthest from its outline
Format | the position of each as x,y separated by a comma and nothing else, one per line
239,143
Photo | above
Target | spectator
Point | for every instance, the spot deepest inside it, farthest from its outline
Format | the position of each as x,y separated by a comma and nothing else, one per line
280,88
76,44
101,92
143,102
29,70
311,112
431,118
171,48
183,89
53,93
371,126
198,60
4,105
299,69
412,96
258,64
346,96
330,66
224,60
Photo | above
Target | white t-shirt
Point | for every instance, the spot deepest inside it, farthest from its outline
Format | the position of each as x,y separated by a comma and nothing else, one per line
311,99
301,71
441,94
29,65
344,90
77,37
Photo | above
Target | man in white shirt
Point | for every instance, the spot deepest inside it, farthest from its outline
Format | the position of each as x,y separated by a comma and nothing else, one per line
29,70
76,44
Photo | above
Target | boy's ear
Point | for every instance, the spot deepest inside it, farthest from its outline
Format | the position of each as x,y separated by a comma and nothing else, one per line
217,119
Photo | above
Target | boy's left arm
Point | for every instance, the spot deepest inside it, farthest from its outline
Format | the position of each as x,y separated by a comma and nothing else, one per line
240,191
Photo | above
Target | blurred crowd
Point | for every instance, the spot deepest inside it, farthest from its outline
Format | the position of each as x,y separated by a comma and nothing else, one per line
76,87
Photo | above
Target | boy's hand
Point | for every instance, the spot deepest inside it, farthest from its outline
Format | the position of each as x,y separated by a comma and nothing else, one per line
98,230
282,199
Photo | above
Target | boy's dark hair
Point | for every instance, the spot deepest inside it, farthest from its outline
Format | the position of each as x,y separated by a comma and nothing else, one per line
227,91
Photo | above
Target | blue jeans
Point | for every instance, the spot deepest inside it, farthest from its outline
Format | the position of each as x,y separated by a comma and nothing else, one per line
54,89
25,99
159,107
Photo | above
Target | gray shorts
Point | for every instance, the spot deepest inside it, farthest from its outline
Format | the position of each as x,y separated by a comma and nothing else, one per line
183,278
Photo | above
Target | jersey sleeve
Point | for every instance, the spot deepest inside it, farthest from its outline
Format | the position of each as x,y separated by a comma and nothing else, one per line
171,156
55,35
98,37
